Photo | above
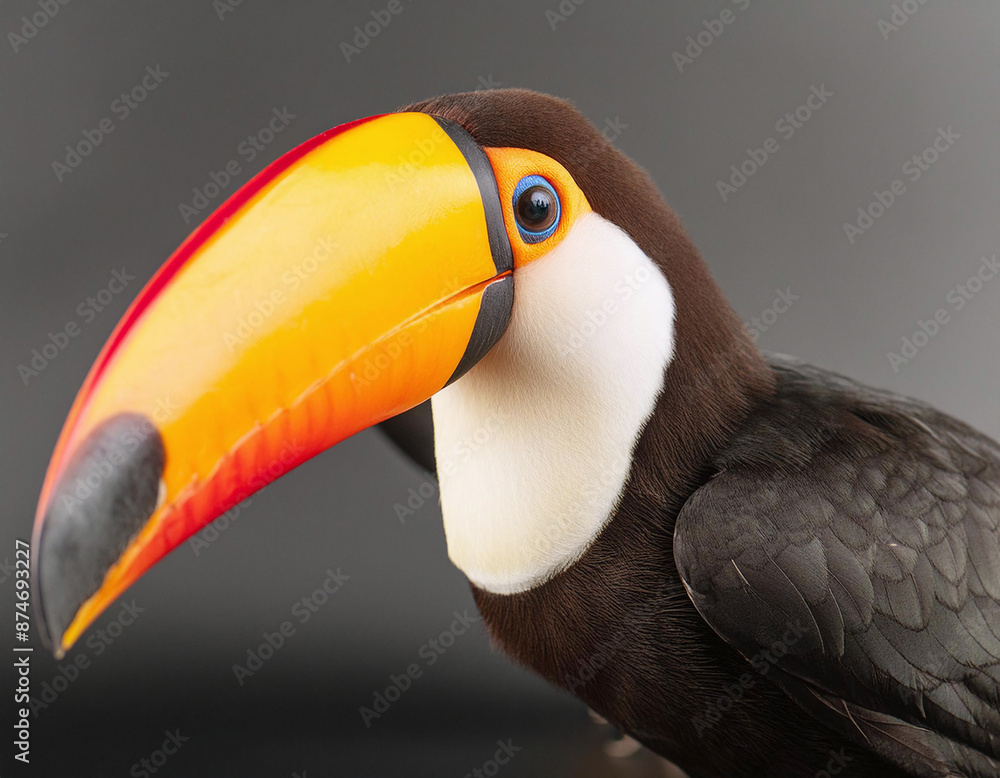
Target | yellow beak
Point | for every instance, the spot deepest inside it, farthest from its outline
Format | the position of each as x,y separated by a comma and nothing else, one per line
348,282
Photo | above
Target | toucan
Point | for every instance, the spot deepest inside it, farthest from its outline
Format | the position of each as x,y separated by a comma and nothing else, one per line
753,566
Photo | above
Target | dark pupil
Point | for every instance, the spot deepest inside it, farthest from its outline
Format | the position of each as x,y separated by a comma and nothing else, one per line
535,208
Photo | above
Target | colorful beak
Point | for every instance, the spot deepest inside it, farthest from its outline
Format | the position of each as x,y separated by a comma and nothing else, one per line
351,280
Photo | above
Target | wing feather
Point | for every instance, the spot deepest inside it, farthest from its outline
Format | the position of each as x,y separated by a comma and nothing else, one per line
878,536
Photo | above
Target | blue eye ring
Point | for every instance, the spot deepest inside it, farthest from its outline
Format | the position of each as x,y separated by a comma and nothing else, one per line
537,210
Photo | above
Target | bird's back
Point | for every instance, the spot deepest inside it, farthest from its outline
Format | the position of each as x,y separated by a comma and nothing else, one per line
872,523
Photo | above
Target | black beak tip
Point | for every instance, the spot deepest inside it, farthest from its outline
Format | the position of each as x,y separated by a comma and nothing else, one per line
51,640
105,496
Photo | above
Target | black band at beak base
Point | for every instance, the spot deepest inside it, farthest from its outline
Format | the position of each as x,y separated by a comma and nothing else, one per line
498,297
479,163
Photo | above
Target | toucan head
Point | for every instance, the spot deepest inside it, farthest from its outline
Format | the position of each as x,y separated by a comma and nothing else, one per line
355,277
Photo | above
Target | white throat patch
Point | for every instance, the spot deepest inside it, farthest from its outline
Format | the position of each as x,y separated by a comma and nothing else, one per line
534,444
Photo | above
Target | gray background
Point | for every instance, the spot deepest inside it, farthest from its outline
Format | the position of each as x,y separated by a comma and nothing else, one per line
782,230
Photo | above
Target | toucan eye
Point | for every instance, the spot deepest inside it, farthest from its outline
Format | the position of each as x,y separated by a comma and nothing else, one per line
536,208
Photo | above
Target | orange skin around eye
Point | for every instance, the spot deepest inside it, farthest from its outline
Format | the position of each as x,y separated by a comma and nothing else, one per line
509,167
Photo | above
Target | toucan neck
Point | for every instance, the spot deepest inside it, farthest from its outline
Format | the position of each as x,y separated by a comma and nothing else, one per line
717,375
